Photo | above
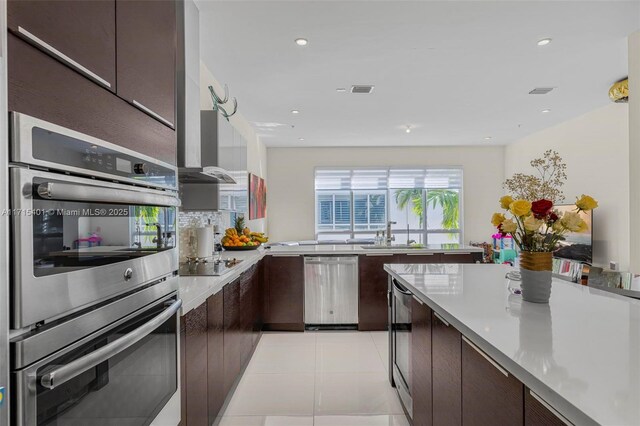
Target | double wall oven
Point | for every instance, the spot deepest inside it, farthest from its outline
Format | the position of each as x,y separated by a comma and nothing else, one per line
94,304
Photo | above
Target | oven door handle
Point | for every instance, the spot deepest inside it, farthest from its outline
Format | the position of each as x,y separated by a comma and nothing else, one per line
69,371
400,289
90,193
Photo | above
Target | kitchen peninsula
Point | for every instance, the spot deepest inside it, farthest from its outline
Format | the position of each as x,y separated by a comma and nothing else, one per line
222,316
573,361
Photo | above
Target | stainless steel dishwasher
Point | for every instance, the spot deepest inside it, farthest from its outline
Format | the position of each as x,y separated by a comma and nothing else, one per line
331,291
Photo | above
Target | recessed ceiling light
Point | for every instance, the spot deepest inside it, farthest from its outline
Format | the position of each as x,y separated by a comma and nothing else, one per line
341,89
488,138
295,111
544,111
408,129
302,41
300,139
544,42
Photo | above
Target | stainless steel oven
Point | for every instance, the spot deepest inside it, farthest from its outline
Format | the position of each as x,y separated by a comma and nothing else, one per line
121,372
90,220
400,348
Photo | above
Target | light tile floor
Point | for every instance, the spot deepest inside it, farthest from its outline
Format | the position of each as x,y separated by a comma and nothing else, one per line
317,379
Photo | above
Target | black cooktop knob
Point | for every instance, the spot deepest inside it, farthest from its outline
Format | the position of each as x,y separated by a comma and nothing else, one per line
140,168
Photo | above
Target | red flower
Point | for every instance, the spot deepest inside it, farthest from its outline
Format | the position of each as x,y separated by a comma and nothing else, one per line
553,217
541,208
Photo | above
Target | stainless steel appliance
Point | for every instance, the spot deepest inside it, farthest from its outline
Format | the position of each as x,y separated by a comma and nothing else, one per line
114,365
215,268
94,304
331,291
90,220
5,393
400,347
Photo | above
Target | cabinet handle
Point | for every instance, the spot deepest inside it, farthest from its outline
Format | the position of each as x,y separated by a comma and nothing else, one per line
378,254
485,356
456,252
285,255
418,300
441,319
62,57
550,408
152,114
419,254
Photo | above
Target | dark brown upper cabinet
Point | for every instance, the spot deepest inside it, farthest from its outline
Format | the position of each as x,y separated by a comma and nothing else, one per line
284,293
81,34
146,56
490,395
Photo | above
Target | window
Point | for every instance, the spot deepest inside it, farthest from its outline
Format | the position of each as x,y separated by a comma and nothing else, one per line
425,203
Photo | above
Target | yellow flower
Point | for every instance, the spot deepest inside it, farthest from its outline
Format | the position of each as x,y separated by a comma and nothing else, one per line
586,203
508,226
532,224
497,219
506,201
520,207
557,226
571,221
583,227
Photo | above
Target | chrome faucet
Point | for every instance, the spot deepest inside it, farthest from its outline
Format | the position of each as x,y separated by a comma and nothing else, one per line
390,237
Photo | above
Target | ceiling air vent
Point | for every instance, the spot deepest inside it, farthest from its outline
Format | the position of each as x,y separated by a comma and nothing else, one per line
541,90
362,89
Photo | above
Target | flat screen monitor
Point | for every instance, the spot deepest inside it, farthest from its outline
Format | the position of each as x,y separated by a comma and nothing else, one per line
576,245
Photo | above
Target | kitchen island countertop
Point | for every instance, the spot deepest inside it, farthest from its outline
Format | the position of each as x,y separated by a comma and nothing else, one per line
580,352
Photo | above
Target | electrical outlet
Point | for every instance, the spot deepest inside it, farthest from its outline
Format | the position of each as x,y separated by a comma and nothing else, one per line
613,265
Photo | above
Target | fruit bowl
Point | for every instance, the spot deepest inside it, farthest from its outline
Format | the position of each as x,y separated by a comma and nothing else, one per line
241,248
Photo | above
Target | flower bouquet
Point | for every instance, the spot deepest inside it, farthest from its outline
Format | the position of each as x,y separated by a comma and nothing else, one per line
536,227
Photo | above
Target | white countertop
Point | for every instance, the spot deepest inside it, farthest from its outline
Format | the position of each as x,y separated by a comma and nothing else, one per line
358,249
194,290
581,352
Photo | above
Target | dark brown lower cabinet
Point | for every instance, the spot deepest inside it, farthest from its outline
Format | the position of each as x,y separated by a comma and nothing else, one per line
373,286
446,349
490,395
246,317
232,340
215,354
460,257
283,293
539,413
183,371
195,366
421,381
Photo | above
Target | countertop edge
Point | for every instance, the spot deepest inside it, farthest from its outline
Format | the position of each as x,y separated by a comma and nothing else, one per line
560,404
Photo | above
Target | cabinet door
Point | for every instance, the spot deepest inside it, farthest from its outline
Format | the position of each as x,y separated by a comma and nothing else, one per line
81,34
246,318
257,302
446,369
215,354
490,395
373,303
183,371
460,257
421,363
231,294
44,88
284,293
538,413
146,56
196,366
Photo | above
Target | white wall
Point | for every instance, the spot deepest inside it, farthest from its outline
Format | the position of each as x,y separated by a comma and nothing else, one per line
634,149
256,151
291,195
595,147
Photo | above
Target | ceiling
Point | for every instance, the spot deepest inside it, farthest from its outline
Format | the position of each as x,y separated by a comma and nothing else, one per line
456,72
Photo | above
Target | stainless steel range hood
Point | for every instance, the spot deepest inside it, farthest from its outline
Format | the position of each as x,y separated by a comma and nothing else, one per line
199,158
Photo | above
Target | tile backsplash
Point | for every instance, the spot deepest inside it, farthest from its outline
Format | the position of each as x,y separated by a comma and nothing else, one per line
188,222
